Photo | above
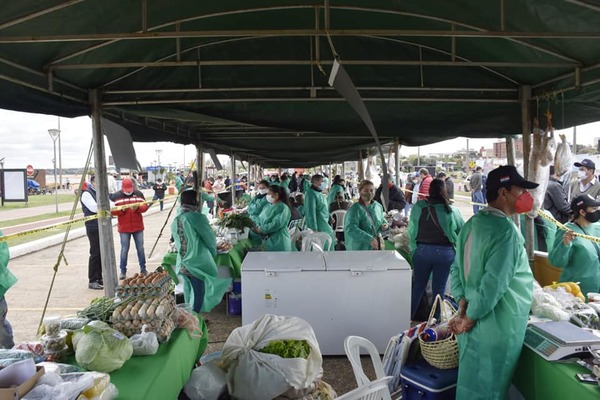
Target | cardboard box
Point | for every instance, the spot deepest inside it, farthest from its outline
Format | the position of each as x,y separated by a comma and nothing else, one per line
24,388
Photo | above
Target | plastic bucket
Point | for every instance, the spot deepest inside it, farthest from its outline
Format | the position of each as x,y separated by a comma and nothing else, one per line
237,286
235,304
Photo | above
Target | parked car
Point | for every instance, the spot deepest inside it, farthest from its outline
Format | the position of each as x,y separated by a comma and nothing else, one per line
33,187
467,184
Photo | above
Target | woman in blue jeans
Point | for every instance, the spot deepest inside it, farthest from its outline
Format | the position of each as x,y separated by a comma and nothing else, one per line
432,231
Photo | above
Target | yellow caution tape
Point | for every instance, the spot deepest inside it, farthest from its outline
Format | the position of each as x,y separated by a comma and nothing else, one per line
543,214
461,201
101,213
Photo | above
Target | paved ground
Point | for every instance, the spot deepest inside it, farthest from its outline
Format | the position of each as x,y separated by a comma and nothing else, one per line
70,293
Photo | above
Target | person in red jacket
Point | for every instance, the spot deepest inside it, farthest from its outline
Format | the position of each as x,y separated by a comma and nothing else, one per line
130,223
425,182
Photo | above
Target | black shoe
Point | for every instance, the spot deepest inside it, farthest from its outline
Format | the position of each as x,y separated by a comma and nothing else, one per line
95,286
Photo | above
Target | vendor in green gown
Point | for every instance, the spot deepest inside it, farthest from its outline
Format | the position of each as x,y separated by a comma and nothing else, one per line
273,222
364,221
316,209
196,248
337,188
578,257
259,201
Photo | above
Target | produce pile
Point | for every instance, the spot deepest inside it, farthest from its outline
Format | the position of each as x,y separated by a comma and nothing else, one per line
156,283
564,302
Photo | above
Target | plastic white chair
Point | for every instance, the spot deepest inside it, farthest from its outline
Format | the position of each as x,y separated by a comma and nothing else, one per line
353,346
338,217
376,390
316,241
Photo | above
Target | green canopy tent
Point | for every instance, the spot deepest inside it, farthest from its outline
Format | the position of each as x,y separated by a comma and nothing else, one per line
250,77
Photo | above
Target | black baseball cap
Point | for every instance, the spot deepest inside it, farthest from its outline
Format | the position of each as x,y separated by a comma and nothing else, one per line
589,164
507,176
583,201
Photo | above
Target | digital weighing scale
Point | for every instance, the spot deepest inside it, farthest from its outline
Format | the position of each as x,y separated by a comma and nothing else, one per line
556,340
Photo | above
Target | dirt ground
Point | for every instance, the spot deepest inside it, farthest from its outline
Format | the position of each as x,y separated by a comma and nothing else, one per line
70,293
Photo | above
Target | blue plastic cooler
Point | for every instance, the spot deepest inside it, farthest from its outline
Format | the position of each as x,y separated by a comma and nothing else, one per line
421,381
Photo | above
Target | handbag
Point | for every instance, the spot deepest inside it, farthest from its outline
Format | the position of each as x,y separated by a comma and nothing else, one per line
443,353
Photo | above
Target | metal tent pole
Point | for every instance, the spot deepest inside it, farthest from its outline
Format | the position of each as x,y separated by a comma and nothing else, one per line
397,146
525,97
233,172
107,248
200,172
512,160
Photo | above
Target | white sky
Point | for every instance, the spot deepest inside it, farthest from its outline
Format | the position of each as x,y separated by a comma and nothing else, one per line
24,140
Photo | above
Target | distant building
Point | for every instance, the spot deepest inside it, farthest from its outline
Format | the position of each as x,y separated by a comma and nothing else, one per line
500,148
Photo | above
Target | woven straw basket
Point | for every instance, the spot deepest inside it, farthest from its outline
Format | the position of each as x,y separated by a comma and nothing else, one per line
442,354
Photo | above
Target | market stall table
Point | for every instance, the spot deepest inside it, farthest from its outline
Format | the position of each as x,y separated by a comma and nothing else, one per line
539,379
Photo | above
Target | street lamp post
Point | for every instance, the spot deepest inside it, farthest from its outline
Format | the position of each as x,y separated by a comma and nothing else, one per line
158,153
55,134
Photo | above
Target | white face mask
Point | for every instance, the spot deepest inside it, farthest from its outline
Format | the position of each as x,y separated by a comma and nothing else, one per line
263,191
581,174
270,199
128,193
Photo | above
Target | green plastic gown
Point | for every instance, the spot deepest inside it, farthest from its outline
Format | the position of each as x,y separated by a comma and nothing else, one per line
7,279
333,192
451,223
274,223
198,257
256,205
358,229
316,212
499,290
579,259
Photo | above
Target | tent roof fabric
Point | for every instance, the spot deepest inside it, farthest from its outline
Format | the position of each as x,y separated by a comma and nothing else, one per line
250,77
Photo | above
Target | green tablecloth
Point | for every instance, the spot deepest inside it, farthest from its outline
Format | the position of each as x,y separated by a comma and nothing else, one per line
163,375
389,245
234,257
538,379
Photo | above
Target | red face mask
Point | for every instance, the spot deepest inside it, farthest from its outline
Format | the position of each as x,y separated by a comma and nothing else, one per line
524,203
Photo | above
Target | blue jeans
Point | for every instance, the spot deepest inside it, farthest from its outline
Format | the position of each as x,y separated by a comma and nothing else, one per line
428,259
138,238
407,208
477,197
6,332
161,201
198,289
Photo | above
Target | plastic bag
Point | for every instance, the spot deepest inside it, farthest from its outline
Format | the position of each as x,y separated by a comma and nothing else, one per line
207,382
53,386
144,344
254,375
59,368
187,320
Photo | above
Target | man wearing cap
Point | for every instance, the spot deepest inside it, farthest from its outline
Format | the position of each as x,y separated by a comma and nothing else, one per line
493,284
579,258
477,190
130,223
587,183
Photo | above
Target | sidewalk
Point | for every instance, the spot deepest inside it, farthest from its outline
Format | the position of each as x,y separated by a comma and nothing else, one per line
33,264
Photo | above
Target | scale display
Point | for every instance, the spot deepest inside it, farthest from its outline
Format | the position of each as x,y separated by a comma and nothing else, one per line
557,340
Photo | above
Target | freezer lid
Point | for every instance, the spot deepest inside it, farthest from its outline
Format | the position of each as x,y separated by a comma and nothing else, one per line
283,261
365,261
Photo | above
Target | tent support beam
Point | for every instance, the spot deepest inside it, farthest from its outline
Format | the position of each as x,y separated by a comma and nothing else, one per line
107,250
36,14
511,159
397,146
525,97
233,172
303,99
410,63
200,171
310,89
299,32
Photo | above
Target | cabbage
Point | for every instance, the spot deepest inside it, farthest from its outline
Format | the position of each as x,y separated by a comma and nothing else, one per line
102,348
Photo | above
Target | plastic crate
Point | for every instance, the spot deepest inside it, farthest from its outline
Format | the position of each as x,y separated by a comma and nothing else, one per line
421,381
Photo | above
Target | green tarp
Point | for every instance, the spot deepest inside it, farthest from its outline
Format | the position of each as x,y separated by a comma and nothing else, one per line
251,76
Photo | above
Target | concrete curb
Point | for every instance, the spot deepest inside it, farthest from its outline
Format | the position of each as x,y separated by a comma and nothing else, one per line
41,244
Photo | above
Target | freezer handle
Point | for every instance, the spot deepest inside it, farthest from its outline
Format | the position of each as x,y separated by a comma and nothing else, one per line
273,272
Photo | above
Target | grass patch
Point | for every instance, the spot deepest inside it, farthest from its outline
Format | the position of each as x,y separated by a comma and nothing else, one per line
36,218
40,235
41,200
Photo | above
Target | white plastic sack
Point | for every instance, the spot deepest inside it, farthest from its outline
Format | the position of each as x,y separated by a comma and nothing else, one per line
144,344
207,382
254,375
52,386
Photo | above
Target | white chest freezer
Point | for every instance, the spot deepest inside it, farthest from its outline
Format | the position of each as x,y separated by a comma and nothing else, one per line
342,293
